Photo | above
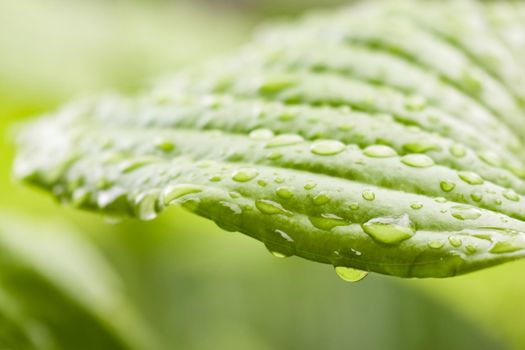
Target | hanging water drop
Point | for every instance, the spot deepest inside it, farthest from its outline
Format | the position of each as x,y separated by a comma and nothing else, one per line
349,274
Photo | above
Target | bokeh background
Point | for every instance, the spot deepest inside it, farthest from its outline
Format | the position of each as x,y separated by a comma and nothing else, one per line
70,280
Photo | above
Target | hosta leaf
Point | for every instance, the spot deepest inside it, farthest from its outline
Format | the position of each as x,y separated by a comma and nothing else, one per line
57,292
365,151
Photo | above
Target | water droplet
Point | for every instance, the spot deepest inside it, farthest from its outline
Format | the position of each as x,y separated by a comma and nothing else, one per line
471,248
215,178
390,230
455,241
327,147
349,274
440,200
244,174
507,247
328,221
262,183
447,186
269,207
458,150
278,255
321,198
278,179
174,192
420,146
261,134
379,151
275,85
470,177
346,126
511,195
476,197
234,194
436,244
368,195
417,160
284,140
354,206
416,206
146,205
462,212
286,117
284,192
274,155
309,186
165,145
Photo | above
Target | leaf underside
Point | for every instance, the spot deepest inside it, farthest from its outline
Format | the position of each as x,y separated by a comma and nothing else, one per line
384,138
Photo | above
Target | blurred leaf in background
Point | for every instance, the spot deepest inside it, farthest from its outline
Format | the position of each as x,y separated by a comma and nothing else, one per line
184,282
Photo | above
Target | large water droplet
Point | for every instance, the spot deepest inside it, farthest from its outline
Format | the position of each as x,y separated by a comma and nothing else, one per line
244,174
379,151
435,244
447,186
269,207
165,145
420,146
462,212
327,147
284,140
476,197
455,241
284,192
417,160
174,192
368,195
416,206
349,274
321,198
310,185
390,230
261,134
327,221
275,85
470,177
215,178
146,205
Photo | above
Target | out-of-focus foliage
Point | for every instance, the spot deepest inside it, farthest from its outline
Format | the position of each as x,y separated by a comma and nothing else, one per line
58,292
197,287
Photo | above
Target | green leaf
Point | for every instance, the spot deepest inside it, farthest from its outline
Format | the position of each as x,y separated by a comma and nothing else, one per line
57,292
323,151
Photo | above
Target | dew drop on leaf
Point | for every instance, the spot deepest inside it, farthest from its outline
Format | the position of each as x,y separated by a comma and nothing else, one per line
174,192
269,207
245,174
368,195
349,274
390,230
417,160
327,147
379,151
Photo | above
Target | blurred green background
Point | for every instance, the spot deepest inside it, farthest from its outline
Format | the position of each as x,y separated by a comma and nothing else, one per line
70,280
